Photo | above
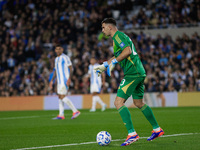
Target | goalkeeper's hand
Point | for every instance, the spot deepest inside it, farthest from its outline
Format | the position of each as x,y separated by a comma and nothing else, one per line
101,68
111,66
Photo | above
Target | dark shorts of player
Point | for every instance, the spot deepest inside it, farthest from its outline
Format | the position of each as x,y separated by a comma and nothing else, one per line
131,86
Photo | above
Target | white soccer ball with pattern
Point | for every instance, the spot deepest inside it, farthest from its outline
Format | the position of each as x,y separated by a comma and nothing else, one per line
103,138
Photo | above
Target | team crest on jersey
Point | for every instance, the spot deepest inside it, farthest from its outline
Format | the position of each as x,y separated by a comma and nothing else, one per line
122,44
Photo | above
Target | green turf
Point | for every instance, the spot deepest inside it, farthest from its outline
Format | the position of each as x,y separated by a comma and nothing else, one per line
25,129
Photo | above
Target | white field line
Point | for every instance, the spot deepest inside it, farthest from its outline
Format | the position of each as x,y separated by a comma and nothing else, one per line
85,143
24,117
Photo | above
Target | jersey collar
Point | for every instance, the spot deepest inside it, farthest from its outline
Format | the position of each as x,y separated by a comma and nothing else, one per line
115,34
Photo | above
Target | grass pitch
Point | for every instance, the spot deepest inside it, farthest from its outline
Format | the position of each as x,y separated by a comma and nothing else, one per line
36,130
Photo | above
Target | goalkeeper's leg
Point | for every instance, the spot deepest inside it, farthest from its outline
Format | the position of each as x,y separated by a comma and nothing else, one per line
126,118
146,110
148,113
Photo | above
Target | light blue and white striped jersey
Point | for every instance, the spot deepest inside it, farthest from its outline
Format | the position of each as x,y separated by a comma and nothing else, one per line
62,64
94,79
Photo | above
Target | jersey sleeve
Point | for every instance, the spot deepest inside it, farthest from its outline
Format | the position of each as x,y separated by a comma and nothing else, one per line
67,60
121,41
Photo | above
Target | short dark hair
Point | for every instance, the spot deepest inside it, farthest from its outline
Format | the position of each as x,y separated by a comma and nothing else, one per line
109,20
58,45
93,57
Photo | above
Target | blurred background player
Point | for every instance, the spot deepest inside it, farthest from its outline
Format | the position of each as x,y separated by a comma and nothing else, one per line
95,85
63,71
133,83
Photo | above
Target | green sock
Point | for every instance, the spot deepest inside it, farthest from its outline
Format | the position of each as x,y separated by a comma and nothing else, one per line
126,117
146,110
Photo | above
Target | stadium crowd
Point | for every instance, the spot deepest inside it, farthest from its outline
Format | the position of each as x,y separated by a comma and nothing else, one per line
29,31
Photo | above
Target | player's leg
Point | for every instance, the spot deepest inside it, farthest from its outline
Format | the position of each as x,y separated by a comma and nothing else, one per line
67,101
123,93
61,107
95,89
99,100
126,118
94,101
61,110
63,92
146,110
124,113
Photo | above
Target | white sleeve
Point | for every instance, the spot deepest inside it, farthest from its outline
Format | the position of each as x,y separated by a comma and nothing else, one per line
67,60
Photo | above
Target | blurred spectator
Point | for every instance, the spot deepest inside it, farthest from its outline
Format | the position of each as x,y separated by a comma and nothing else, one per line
29,31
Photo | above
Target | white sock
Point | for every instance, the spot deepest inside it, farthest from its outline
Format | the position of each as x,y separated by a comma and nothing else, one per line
70,104
157,129
61,108
98,99
94,101
132,133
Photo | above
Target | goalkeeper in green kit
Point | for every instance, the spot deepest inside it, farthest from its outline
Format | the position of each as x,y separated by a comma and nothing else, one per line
126,56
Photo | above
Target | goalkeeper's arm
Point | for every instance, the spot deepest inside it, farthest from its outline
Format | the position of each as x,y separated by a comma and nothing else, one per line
110,60
101,68
125,53
110,64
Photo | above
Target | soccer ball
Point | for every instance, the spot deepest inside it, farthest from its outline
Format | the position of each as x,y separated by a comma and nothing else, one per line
103,138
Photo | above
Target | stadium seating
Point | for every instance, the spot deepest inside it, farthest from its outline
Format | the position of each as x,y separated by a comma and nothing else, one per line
30,30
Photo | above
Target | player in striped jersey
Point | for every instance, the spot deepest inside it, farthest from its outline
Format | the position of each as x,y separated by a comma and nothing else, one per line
63,72
95,85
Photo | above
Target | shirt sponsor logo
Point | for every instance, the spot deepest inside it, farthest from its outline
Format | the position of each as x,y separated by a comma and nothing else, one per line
122,44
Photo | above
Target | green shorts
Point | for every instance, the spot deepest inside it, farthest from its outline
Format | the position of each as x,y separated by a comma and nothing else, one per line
131,86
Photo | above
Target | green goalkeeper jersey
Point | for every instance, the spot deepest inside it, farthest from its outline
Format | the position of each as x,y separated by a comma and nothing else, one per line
132,66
